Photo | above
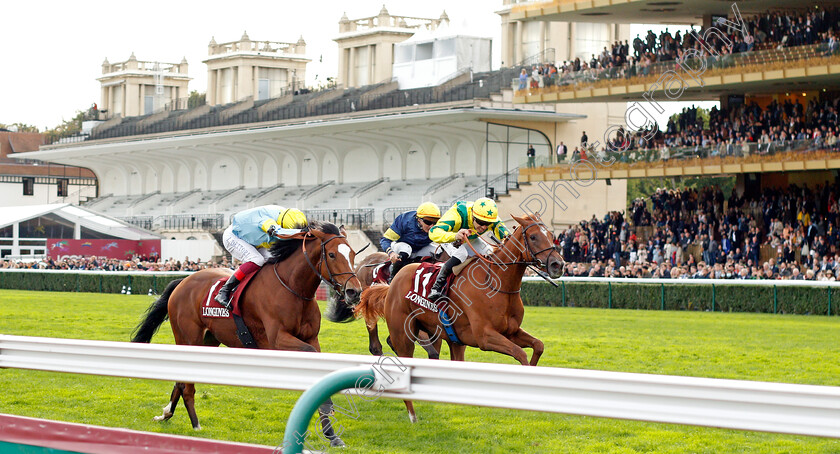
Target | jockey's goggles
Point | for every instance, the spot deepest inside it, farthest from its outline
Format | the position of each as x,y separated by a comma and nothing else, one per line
481,223
428,222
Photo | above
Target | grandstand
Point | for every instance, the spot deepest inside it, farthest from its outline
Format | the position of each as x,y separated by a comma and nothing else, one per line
775,136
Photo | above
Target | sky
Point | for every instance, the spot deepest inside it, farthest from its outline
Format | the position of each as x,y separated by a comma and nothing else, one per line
52,51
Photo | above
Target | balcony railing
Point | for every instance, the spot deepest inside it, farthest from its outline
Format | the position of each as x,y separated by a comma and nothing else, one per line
359,218
705,66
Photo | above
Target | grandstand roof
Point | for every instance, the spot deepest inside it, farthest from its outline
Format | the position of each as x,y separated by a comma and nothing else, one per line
642,11
442,124
80,216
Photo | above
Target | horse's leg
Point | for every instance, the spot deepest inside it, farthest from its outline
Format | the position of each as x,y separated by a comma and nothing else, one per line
169,409
374,345
189,402
496,342
523,339
456,351
432,348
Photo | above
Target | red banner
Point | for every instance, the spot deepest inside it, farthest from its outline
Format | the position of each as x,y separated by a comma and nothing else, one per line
112,249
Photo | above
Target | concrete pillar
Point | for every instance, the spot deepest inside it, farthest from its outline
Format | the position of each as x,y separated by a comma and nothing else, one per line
517,43
244,82
351,68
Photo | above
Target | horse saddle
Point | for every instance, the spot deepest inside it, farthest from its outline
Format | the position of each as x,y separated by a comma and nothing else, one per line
212,309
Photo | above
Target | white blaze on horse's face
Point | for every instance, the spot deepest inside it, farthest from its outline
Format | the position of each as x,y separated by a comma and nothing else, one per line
345,251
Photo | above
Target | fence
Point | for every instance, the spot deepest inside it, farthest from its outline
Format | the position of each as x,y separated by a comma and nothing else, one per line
389,214
356,217
191,222
733,404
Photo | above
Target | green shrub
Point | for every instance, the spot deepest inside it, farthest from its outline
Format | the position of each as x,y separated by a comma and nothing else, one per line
683,297
140,283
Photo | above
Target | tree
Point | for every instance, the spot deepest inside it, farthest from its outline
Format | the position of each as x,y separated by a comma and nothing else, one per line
196,99
67,128
19,127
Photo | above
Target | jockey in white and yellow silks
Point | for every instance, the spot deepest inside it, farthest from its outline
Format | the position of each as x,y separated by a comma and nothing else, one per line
464,222
250,236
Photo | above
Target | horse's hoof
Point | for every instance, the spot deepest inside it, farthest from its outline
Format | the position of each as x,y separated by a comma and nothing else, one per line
337,443
412,417
198,427
163,417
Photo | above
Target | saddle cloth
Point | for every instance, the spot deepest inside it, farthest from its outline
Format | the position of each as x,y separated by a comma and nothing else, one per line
424,279
211,309
381,273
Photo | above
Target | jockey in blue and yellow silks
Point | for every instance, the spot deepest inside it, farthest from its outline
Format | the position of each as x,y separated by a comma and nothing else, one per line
464,222
250,236
408,236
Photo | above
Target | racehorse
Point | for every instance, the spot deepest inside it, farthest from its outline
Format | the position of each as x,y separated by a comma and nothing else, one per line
484,305
278,305
372,309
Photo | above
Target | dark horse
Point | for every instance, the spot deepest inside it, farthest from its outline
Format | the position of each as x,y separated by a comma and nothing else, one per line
484,303
278,306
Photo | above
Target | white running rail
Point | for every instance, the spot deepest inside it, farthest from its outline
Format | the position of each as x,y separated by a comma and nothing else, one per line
733,404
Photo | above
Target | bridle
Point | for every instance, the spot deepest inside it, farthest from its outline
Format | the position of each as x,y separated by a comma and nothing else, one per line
534,259
330,279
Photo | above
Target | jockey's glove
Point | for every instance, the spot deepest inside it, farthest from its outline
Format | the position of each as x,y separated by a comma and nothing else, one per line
271,230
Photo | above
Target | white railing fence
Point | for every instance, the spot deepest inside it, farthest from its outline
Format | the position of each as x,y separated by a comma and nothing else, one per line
733,404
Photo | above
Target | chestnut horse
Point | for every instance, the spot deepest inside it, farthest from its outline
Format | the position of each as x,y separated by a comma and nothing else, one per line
484,305
278,305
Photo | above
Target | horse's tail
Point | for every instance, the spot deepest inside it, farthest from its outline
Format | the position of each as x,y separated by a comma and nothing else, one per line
372,304
156,314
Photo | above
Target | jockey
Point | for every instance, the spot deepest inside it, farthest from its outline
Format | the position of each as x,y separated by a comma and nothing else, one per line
408,236
464,222
250,236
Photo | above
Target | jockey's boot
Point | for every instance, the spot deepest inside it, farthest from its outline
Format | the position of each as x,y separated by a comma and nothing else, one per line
402,260
226,291
445,271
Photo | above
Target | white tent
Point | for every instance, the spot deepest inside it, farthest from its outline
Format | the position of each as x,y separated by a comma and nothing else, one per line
25,229
430,58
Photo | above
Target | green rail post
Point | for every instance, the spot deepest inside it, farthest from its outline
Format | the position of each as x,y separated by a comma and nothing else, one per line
662,296
154,283
564,292
100,283
609,295
713,297
775,300
829,301
313,397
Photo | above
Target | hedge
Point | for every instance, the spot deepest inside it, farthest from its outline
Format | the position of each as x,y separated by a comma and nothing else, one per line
624,295
140,283
703,297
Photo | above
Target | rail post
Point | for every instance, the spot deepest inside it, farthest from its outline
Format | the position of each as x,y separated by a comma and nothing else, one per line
312,398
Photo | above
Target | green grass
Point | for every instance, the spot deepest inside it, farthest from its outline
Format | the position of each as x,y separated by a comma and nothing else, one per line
793,349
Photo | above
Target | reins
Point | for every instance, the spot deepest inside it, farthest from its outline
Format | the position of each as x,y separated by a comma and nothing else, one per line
331,280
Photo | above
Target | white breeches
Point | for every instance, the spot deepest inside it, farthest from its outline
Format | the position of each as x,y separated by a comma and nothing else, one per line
425,251
242,250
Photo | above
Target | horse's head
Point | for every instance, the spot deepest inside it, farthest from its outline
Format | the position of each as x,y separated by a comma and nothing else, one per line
336,263
539,244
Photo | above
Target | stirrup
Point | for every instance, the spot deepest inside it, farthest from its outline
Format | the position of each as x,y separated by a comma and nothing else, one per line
225,302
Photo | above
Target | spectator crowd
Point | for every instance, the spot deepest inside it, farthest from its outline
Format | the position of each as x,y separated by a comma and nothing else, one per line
626,60
92,263
740,130
698,234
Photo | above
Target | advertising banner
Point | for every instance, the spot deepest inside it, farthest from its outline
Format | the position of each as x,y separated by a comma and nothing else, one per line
112,249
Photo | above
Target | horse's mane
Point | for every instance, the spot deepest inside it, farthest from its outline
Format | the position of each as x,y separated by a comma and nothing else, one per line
283,249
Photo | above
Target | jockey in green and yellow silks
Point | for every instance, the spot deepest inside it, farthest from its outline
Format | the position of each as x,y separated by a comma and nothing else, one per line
464,222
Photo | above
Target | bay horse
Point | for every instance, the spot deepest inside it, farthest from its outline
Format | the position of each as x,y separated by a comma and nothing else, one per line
278,306
484,305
